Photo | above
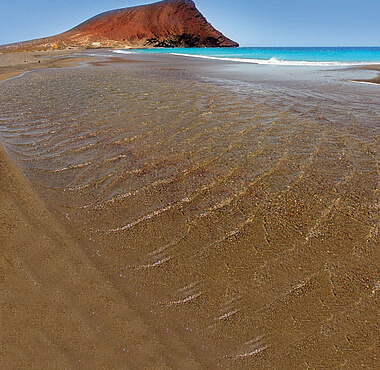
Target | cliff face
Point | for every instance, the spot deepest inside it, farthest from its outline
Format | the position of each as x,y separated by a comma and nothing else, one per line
169,23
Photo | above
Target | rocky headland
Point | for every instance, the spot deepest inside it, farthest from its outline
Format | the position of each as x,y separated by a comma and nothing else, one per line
168,23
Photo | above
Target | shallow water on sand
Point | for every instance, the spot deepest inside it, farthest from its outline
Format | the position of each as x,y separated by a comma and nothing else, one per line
243,218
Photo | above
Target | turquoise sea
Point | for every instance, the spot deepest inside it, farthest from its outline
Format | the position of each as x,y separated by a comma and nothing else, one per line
308,56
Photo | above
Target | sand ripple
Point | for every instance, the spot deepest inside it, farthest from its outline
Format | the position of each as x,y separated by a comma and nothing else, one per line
234,211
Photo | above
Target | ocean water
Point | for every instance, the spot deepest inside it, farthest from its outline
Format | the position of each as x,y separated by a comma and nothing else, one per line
307,56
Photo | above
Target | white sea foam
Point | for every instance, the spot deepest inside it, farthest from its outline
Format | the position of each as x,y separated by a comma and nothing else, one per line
365,82
123,52
275,61
271,61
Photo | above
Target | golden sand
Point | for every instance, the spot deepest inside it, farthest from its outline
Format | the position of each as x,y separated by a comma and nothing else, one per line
59,309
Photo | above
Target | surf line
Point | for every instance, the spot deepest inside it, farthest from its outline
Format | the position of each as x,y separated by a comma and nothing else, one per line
364,82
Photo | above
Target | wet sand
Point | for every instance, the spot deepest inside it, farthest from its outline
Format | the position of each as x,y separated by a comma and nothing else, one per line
180,214
59,309
373,68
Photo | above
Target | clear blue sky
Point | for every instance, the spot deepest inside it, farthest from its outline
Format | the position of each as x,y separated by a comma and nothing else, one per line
250,22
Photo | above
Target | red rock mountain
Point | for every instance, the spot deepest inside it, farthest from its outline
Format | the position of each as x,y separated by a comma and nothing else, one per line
169,23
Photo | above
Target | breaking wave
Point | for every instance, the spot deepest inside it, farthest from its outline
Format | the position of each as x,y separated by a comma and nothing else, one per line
275,61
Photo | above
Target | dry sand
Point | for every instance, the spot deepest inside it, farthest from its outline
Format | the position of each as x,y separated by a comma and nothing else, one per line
14,64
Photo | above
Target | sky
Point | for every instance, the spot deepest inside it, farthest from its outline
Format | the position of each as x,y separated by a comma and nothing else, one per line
249,22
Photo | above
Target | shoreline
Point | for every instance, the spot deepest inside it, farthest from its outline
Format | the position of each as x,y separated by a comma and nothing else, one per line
15,64
367,67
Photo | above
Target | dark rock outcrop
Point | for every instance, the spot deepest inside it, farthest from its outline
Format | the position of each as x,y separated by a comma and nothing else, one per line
169,23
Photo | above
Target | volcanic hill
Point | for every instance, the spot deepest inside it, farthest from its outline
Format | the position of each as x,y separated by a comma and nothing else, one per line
168,23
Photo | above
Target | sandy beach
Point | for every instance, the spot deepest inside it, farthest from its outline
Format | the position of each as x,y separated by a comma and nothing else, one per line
14,64
162,212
